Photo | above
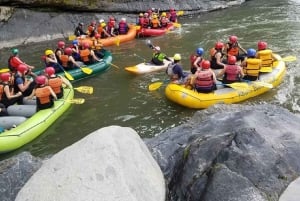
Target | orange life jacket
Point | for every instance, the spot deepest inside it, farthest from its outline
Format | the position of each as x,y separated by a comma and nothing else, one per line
233,50
155,23
64,60
43,95
56,84
85,55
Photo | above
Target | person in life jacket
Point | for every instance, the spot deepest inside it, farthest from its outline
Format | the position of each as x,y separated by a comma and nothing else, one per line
88,55
140,20
91,30
251,66
164,21
123,26
216,56
98,46
101,29
175,71
233,48
155,23
173,15
50,60
231,72
158,57
205,79
59,50
146,22
111,25
266,55
14,61
44,94
7,96
196,59
79,30
67,60
56,82
75,50
21,83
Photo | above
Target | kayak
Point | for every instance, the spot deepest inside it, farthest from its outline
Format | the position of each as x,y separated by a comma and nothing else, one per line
115,40
20,130
78,73
148,32
143,68
227,95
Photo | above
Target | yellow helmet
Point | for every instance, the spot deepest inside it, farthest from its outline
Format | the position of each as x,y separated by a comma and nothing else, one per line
103,24
48,52
141,15
177,57
154,16
164,14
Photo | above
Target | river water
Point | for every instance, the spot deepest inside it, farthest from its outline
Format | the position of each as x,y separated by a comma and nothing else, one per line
123,99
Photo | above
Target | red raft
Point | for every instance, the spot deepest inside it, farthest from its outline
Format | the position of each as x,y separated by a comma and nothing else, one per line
148,32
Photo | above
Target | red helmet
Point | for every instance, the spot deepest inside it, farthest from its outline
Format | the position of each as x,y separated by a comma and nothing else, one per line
68,51
5,77
41,79
50,71
261,45
97,36
86,45
219,45
22,68
231,60
172,9
233,39
205,64
111,19
61,44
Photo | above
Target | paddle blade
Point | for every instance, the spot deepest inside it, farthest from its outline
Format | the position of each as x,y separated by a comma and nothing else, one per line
72,37
238,86
177,25
117,41
85,89
289,58
87,70
68,76
115,66
154,86
4,70
180,13
76,101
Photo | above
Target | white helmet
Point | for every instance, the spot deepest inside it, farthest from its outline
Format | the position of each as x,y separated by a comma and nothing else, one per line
157,48
102,20
123,19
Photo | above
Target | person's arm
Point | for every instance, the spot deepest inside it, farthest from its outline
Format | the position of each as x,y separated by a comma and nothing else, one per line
94,56
221,73
31,95
52,92
167,58
218,59
195,64
241,48
23,86
214,76
65,81
71,59
9,95
241,72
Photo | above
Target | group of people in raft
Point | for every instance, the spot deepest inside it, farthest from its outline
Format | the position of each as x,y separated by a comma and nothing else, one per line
228,62
153,19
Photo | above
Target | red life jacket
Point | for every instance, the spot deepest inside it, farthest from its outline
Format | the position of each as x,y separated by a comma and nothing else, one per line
204,79
232,72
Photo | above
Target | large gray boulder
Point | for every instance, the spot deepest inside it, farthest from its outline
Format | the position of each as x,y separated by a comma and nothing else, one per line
230,153
112,163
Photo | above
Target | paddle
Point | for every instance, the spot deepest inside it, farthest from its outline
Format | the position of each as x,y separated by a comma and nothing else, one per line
117,41
140,57
4,70
85,89
114,65
74,100
68,75
289,58
86,70
177,25
285,59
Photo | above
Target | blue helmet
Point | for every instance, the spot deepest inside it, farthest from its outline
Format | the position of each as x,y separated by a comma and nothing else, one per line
251,52
200,51
75,42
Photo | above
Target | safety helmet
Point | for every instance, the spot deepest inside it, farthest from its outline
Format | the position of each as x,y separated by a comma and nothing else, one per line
61,44
75,42
22,68
111,19
86,45
41,79
177,57
146,14
80,24
68,51
261,45
154,16
205,64
200,51
219,45
231,60
141,14
101,20
97,36
48,52
49,71
153,9
157,48
5,77
251,52
15,51
163,14
233,39
123,19
103,24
